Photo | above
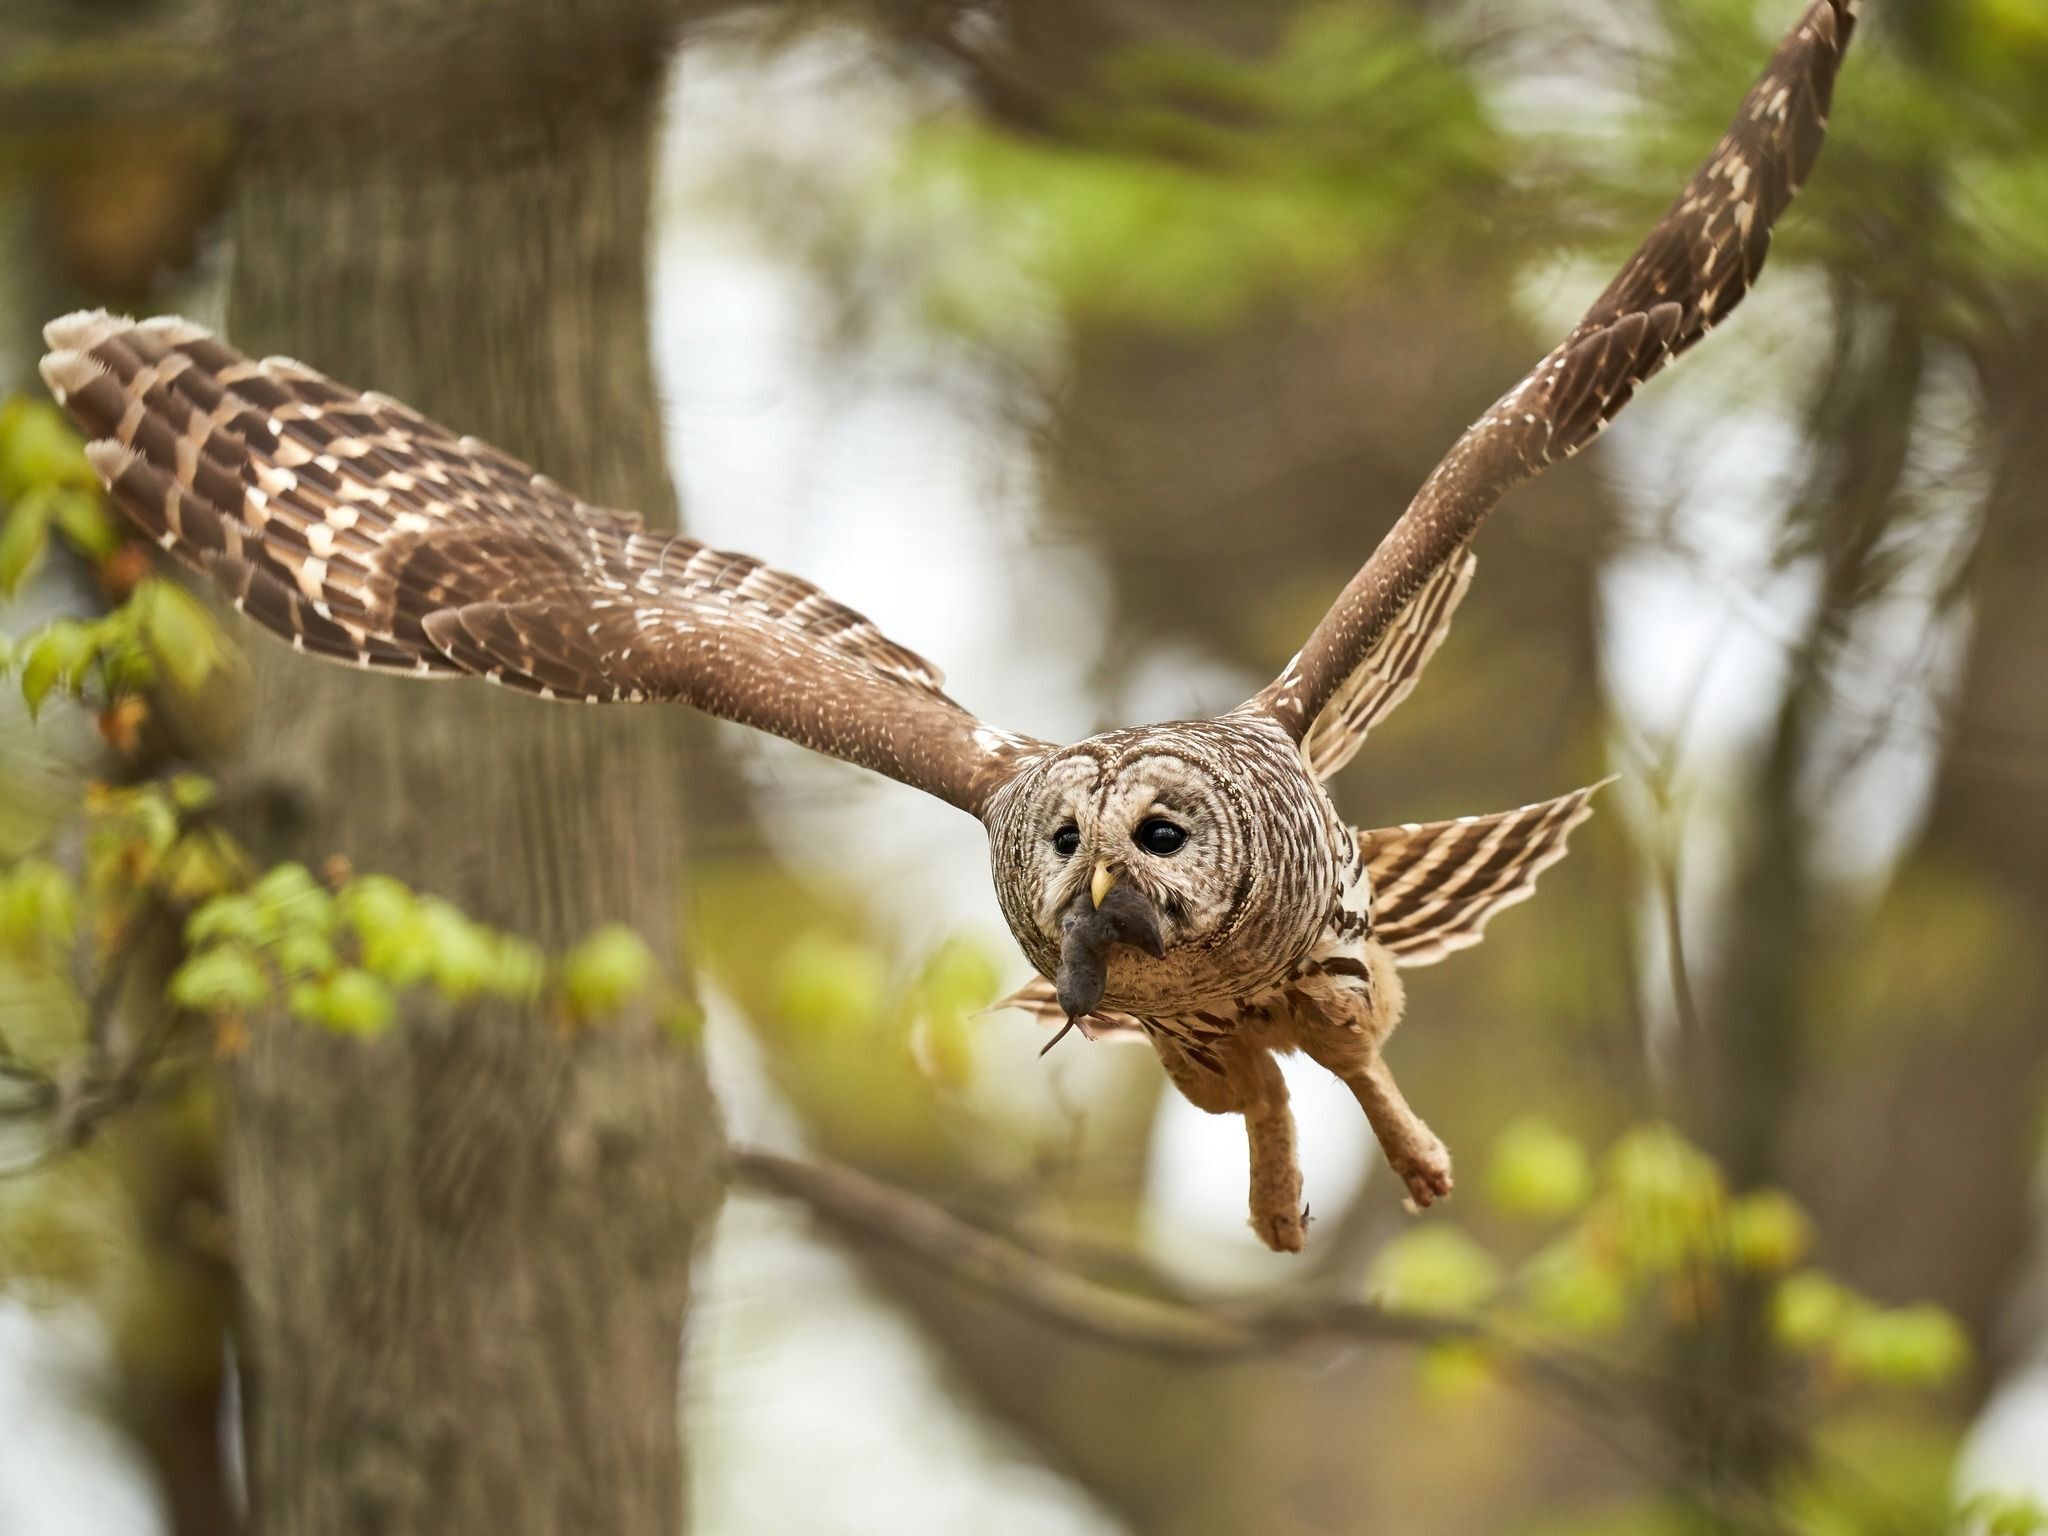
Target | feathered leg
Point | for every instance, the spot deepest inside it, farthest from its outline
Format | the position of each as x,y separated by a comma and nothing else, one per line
1350,1048
1249,1084
1412,1148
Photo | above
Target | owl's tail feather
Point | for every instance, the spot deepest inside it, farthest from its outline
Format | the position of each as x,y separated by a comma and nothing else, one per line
1040,998
1437,884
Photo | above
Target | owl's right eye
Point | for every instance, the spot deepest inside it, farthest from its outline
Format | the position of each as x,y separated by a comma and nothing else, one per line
1067,841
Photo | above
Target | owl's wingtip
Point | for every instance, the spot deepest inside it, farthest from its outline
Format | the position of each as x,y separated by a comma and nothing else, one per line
66,371
82,330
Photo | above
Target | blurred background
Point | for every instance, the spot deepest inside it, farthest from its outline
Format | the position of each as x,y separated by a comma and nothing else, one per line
1088,346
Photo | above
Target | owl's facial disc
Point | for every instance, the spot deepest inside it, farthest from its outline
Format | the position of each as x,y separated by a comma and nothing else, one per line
1211,829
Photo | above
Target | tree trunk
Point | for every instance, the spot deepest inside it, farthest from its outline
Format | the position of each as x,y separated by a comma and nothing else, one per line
466,1245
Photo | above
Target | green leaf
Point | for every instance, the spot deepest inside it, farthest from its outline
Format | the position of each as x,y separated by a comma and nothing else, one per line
1569,1285
1669,1198
179,632
58,656
1901,1346
39,448
1455,1370
191,791
1808,1309
224,979
520,970
400,952
350,1002
1437,1270
463,956
304,952
82,518
201,865
824,982
959,979
38,908
1768,1231
1998,1513
23,534
1538,1171
606,971
288,897
371,904
233,917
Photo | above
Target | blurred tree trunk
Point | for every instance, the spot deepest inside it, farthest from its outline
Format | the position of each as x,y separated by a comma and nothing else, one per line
466,1245
1955,955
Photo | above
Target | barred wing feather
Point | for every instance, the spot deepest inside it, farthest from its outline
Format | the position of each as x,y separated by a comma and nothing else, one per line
1437,884
363,532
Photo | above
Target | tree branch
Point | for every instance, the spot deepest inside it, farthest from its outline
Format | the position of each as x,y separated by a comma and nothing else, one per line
1612,1396
868,1210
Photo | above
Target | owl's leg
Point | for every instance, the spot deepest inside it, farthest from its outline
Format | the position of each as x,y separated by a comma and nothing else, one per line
1412,1148
1249,1083
1350,1047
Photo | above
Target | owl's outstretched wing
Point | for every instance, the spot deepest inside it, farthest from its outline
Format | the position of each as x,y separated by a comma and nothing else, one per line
1694,267
363,532
1436,885
1390,670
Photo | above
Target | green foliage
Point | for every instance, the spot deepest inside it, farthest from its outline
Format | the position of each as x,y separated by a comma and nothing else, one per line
348,1001
957,984
255,943
607,971
225,978
46,486
1193,183
38,910
1537,1171
1185,184
2003,1514
341,958
826,983
1767,1231
1659,1237
178,634
1435,1269
161,630
1940,132
1858,1340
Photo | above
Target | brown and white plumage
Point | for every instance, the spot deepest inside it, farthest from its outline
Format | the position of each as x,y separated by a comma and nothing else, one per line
1250,918
1437,884
365,533
1686,277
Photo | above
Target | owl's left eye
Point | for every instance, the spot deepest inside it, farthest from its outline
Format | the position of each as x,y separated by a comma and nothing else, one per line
1067,841
1160,836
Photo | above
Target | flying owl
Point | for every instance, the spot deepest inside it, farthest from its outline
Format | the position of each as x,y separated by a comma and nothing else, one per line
1189,883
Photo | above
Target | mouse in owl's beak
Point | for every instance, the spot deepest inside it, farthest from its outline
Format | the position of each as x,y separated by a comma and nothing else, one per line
1110,912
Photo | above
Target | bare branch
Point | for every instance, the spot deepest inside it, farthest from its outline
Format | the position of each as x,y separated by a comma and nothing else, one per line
1611,1397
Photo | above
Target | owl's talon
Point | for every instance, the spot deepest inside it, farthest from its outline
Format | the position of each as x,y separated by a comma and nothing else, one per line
1284,1234
1426,1170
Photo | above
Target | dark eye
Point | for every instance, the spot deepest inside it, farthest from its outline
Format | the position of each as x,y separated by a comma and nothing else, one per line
1066,841
1160,836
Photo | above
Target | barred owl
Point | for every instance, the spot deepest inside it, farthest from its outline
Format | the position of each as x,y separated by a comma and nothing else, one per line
1189,884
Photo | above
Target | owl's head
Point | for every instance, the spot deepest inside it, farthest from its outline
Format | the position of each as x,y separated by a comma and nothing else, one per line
1214,826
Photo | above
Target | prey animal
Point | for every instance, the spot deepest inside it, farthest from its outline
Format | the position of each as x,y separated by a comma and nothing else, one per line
1190,883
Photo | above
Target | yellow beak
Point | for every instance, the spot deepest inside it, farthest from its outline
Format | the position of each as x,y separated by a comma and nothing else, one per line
1104,881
